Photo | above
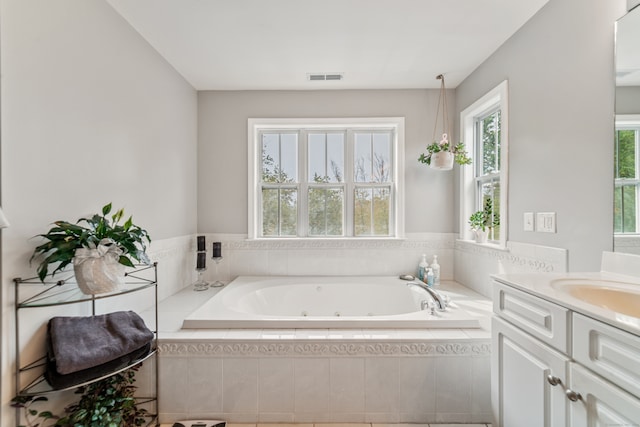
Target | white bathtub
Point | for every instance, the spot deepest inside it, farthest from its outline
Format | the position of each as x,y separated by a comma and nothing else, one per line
328,302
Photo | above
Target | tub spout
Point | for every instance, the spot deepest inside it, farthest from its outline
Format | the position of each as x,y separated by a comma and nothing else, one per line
437,298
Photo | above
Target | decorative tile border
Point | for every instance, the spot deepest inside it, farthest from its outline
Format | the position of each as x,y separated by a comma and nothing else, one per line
506,256
252,349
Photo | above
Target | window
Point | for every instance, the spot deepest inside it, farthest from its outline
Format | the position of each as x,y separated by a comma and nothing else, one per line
325,178
487,168
627,179
483,187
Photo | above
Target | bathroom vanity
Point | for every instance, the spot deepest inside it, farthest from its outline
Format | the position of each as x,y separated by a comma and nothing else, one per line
565,350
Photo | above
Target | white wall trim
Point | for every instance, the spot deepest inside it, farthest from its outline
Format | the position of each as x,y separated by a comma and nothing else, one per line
498,95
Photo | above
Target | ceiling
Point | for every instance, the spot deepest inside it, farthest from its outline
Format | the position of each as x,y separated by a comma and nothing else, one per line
275,44
628,49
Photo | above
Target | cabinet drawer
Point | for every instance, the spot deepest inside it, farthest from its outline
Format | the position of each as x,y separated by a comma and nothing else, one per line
542,319
608,351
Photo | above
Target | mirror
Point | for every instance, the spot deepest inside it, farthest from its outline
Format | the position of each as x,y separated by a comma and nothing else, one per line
627,143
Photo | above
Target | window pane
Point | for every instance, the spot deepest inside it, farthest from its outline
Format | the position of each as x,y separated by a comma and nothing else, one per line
489,130
624,209
316,157
362,157
326,157
288,212
270,212
335,157
625,154
326,206
617,210
371,213
381,157
491,204
362,211
289,157
270,157
381,198
279,212
279,157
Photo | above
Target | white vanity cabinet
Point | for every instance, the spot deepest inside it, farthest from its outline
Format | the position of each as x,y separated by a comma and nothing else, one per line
554,367
606,374
523,396
523,367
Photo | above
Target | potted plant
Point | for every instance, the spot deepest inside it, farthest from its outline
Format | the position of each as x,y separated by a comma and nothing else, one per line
98,247
441,155
483,221
108,402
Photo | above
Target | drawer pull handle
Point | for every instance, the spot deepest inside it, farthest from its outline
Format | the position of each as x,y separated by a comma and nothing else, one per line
553,380
572,395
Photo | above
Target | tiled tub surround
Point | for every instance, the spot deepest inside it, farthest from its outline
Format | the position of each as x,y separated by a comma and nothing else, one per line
473,263
321,375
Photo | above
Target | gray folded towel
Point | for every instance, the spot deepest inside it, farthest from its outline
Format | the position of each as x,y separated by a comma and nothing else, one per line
79,343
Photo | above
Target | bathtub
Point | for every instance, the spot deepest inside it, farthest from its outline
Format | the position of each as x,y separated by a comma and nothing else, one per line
328,302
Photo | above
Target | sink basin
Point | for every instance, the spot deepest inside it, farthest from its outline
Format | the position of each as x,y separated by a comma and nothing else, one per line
620,297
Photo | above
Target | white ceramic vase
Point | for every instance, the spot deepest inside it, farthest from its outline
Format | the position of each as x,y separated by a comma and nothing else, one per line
98,270
481,236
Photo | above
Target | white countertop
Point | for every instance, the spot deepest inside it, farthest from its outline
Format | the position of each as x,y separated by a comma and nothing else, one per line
540,284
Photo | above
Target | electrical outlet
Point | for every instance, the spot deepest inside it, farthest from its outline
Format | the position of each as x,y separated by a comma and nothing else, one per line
529,221
546,222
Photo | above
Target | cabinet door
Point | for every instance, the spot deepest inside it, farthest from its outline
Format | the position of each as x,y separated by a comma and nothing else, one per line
522,395
601,403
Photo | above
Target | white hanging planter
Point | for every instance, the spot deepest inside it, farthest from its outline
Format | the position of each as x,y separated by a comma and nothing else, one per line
442,160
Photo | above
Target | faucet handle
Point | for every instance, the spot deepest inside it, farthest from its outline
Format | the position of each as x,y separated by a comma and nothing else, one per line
446,299
432,308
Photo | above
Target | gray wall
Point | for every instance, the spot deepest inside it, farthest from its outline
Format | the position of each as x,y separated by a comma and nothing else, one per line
561,98
222,149
90,114
628,100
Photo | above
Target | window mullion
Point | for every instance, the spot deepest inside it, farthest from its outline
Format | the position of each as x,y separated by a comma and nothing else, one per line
349,196
303,185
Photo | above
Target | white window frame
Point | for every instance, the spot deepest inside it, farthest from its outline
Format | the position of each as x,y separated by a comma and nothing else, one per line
496,98
256,125
622,122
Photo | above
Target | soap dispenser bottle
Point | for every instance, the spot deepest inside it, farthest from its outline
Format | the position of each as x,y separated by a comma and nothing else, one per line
422,268
429,277
436,270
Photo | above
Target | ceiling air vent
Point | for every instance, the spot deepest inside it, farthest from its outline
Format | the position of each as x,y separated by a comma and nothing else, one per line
325,77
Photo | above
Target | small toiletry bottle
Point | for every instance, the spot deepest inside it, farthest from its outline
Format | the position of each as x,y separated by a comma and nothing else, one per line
436,270
429,277
422,268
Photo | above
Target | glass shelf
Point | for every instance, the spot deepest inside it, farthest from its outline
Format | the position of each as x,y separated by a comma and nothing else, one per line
66,291
33,293
41,386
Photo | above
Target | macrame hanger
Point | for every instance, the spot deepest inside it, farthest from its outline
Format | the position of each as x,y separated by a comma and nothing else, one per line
442,100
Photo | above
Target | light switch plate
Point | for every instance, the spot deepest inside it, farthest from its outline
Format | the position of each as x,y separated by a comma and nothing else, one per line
529,224
546,222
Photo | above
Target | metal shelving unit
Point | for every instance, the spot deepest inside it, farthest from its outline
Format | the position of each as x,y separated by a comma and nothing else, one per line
65,291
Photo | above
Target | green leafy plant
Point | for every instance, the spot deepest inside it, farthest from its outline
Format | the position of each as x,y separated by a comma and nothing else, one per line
64,238
32,416
460,155
105,403
481,220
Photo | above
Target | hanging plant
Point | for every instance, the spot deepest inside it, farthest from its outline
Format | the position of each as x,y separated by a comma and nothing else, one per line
458,152
441,155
